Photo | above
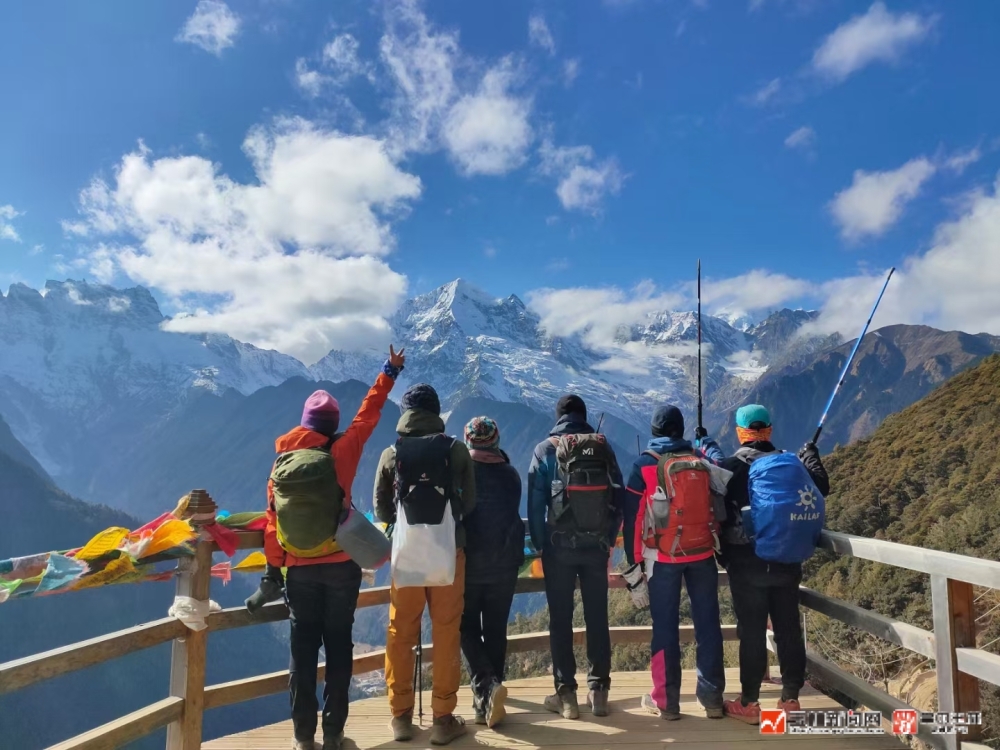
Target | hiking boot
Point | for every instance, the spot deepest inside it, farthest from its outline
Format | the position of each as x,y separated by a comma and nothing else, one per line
563,703
598,702
446,729
792,704
298,744
480,717
402,727
495,711
714,712
748,714
649,706
334,742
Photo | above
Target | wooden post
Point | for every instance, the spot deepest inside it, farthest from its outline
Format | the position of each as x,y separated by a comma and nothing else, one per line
954,627
187,664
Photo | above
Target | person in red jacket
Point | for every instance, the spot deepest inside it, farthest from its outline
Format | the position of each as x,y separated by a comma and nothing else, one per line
322,592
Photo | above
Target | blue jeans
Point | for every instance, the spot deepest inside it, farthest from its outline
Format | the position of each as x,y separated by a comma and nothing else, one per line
702,581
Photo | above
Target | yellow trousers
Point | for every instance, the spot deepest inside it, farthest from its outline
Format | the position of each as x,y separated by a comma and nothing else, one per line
406,609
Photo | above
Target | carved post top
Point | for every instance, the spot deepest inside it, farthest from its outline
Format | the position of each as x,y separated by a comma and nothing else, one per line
197,507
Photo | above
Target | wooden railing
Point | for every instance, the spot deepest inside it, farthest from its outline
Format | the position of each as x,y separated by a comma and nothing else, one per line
952,645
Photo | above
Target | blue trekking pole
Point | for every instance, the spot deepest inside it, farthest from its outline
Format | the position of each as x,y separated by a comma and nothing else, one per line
847,365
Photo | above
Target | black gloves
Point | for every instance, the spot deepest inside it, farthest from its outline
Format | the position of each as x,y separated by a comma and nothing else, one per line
809,450
700,432
270,590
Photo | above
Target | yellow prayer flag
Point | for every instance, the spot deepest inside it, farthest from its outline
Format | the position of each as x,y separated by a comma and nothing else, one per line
103,543
116,569
254,563
169,534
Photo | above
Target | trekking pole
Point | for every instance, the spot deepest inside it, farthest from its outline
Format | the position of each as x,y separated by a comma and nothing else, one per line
700,425
418,679
600,422
847,365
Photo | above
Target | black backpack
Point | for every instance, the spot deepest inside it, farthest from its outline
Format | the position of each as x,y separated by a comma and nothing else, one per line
583,508
424,484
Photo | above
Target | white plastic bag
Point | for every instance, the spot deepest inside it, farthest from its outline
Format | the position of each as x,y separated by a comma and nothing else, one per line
424,554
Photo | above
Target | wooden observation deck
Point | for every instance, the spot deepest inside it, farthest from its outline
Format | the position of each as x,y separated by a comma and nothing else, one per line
529,726
952,645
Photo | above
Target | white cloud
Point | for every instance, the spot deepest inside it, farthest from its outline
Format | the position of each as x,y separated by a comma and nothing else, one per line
488,132
597,314
310,81
539,34
583,181
571,69
341,55
7,231
959,161
37,250
952,286
212,26
876,36
490,251
751,292
482,123
875,200
804,138
422,64
270,254
203,141
765,93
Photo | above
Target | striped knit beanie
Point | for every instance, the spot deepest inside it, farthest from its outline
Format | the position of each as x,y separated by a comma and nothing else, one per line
482,433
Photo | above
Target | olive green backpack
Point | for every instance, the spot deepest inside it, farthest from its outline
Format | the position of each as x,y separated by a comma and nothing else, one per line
308,501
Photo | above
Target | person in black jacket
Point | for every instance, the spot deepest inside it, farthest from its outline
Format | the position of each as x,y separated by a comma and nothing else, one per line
569,555
762,589
494,552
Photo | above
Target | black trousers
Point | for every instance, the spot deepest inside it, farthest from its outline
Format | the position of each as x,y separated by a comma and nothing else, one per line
322,599
562,569
484,632
760,591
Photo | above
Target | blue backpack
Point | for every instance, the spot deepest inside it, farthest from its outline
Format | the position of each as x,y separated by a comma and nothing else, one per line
787,510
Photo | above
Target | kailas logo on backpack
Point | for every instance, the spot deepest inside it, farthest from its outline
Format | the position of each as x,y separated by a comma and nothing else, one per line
786,508
308,501
423,542
581,507
681,515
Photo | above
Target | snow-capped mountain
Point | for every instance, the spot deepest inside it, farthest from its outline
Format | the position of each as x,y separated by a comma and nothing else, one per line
78,354
87,370
468,343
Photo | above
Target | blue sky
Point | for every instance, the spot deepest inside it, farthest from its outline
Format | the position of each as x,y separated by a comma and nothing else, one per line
305,165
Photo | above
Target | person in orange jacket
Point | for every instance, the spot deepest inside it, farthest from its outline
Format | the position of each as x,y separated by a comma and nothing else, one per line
322,592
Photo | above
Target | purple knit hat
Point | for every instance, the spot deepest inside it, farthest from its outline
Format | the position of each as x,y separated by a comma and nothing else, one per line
321,413
482,433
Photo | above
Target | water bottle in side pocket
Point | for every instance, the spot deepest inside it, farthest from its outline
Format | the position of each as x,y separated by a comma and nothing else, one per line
747,517
558,502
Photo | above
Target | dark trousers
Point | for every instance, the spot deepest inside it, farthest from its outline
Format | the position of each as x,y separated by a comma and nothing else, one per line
761,591
701,579
562,569
322,599
484,632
